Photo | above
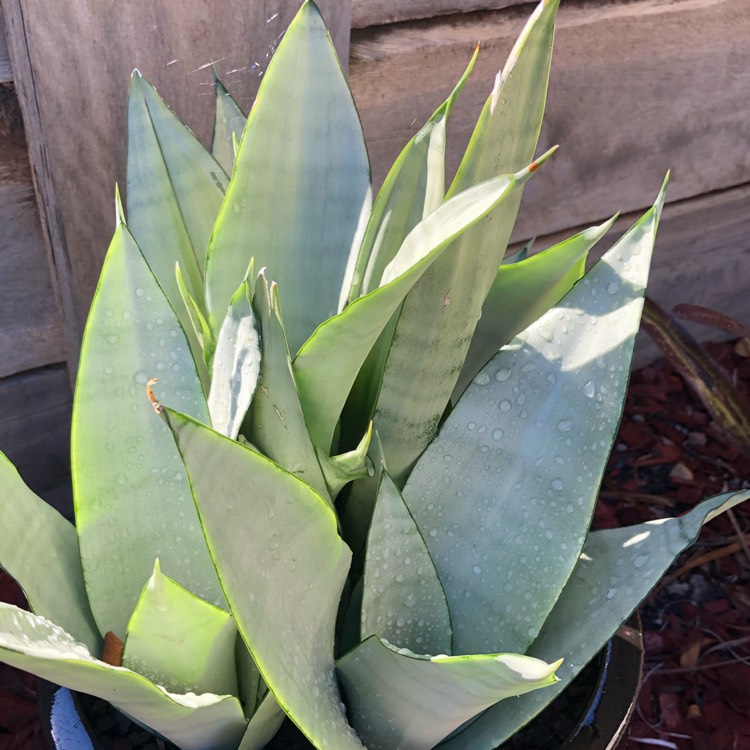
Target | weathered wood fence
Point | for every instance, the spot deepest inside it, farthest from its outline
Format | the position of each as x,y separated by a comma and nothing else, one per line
638,87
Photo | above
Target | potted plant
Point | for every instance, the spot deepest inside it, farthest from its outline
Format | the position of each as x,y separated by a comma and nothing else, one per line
370,515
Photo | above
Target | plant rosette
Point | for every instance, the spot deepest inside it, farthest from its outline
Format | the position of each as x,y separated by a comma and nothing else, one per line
370,515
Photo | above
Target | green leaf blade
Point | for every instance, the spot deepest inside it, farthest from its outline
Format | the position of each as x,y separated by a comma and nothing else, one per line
600,595
275,422
39,549
179,641
413,189
229,122
564,377
303,161
327,365
236,365
397,699
439,315
522,292
403,599
132,499
193,722
258,517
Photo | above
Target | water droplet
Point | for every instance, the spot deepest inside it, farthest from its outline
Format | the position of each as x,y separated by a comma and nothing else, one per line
497,434
482,379
613,287
589,390
505,405
502,375
477,569
433,533
640,561
565,425
611,593
139,292
557,484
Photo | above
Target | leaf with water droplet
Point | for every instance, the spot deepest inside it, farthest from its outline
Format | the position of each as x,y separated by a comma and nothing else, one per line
525,462
180,641
191,721
401,587
123,503
434,695
599,596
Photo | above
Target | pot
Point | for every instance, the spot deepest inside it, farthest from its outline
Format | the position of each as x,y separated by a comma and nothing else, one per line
598,706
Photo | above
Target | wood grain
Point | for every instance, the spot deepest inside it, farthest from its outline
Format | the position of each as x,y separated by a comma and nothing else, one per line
379,12
6,73
72,63
35,410
637,88
30,331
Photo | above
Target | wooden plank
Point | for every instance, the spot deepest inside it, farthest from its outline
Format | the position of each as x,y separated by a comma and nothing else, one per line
30,332
6,73
35,410
72,63
637,88
379,12
702,257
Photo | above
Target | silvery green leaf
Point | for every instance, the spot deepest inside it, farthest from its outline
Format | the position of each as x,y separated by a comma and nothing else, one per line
616,570
39,548
229,122
263,725
201,329
403,600
522,292
526,447
236,365
328,363
346,467
275,423
397,699
179,641
275,545
193,722
301,184
413,189
174,191
437,319
132,499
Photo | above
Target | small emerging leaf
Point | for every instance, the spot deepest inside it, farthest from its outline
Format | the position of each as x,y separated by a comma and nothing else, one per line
236,365
346,467
179,641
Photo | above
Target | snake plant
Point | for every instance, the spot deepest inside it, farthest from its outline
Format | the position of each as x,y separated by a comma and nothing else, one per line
371,513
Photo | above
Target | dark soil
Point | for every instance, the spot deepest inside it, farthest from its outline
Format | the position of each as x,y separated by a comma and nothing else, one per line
696,688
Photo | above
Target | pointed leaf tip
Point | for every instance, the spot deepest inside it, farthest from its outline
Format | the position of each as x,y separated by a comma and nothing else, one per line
524,174
119,212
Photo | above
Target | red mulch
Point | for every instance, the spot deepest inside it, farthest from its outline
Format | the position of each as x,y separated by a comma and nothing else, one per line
668,455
